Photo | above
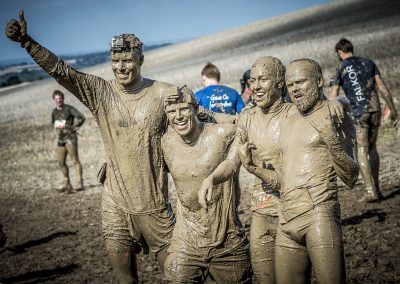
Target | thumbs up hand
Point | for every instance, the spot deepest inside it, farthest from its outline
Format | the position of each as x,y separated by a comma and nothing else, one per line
17,30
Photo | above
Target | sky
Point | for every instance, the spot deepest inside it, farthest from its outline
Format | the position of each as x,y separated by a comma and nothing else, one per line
83,26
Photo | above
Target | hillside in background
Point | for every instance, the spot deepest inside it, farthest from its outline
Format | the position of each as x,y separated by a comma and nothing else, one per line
56,238
14,72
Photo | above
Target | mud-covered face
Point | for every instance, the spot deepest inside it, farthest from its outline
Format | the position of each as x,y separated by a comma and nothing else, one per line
263,85
126,67
182,117
302,86
59,101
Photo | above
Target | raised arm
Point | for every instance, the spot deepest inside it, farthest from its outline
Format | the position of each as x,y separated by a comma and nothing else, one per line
382,88
82,85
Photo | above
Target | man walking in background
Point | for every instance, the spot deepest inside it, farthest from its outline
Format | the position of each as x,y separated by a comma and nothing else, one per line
67,120
215,97
360,79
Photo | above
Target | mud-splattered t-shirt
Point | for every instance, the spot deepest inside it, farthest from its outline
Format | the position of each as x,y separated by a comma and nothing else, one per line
356,75
68,116
263,129
131,125
189,165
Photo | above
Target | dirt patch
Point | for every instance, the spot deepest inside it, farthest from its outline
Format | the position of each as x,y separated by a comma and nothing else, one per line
56,238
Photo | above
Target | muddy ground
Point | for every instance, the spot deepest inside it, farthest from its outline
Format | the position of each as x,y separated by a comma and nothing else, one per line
56,238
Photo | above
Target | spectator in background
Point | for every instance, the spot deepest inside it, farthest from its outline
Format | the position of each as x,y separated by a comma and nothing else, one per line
67,120
246,93
360,79
215,97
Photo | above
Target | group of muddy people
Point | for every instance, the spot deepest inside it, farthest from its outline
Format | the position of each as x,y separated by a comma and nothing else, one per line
295,150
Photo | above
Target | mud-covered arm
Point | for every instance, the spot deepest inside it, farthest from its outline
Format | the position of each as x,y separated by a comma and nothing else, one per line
79,118
271,178
334,92
245,149
345,166
226,169
223,172
384,91
209,116
83,86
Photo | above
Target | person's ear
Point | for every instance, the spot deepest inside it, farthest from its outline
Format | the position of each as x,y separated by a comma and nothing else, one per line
321,82
141,60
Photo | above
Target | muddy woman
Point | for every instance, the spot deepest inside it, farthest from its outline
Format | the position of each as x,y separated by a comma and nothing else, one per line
129,111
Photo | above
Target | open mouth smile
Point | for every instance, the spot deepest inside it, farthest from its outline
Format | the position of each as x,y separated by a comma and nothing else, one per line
259,96
181,124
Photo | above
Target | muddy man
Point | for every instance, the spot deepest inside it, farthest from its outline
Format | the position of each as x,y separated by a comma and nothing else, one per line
315,151
130,114
257,147
205,242
67,120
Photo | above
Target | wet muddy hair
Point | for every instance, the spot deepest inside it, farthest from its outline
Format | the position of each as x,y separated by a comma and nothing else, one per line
211,71
244,81
185,96
344,45
58,93
314,67
126,43
267,61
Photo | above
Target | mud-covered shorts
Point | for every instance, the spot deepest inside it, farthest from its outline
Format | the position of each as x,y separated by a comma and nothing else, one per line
227,263
366,128
317,228
148,232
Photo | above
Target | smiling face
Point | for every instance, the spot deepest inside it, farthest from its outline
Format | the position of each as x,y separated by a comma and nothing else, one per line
126,67
182,117
303,85
263,84
59,101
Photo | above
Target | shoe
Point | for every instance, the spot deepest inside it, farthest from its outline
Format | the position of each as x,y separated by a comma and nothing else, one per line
366,198
66,186
80,186
370,195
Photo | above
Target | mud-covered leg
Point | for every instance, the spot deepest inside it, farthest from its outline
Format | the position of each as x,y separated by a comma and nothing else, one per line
72,149
292,265
365,164
325,245
61,156
374,159
161,256
262,247
123,262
